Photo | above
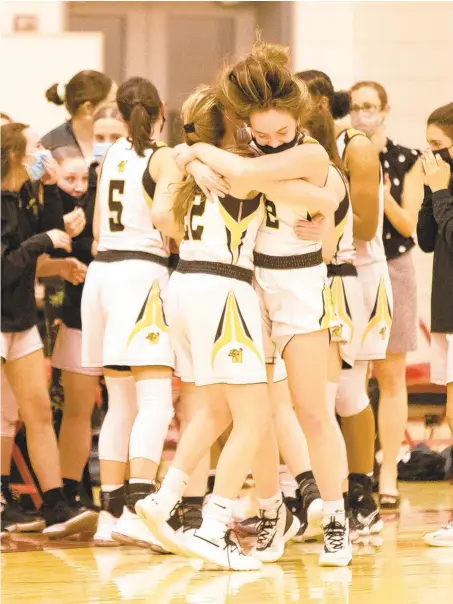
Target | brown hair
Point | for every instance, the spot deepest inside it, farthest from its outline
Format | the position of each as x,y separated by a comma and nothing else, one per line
320,85
109,111
204,122
261,82
86,86
320,125
6,117
443,118
13,142
140,105
380,90
62,153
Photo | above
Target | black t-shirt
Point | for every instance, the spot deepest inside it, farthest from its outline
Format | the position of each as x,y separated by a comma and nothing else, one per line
396,161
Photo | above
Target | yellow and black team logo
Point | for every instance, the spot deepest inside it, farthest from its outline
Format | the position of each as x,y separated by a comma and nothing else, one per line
122,166
237,216
232,328
381,317
151,316
236,355
327,308
341,311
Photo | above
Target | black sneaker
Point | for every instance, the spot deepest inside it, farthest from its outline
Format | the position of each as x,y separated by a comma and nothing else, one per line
365,518
185,517
16,520
307,506
63,520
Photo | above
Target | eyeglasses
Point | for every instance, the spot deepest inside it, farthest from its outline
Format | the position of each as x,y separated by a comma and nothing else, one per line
366,108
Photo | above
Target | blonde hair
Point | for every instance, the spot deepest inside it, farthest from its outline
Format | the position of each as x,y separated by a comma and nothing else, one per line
263,81
204,122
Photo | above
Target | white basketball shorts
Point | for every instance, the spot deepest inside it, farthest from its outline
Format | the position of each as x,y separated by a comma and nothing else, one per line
123,320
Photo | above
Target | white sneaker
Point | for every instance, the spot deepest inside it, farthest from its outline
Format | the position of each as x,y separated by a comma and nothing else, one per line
441,538
103,536
131,530
337,544
274,530
155,513
223,552
313,522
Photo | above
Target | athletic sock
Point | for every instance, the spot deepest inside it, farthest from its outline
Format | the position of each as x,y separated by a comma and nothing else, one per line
271,504
71,490
113,499
334,509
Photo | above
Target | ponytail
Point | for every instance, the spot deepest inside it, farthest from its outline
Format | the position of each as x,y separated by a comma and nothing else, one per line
140,125
320,125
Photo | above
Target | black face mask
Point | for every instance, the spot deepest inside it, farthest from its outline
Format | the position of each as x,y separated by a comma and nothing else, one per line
445,155
69,202
268,150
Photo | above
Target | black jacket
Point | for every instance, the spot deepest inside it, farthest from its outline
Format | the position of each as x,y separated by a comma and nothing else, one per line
435,234
24,222
81,249
61,136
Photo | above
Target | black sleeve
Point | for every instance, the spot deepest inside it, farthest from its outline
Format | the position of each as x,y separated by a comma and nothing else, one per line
443,214
51,215
15,262
426,224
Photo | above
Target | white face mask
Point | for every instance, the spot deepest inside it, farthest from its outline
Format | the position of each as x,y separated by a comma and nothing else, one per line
37,169
367,122
99,151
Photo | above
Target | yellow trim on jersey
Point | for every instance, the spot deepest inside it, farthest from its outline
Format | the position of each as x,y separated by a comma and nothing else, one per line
351,132
381,315
339,303
309,140
232,329
328,313
237,229
153,315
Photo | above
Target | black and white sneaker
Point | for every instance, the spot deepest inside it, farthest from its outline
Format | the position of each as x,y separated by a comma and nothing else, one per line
63,520
275,528
337,544
16,520
365,518
223,552
307,506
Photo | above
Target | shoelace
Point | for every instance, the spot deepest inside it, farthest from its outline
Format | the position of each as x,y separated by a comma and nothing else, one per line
334,533
230,543
192,517
266,527
449,525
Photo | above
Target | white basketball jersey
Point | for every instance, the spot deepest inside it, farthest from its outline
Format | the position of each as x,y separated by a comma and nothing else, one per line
367,252
277,236
344,225
222,230
125,198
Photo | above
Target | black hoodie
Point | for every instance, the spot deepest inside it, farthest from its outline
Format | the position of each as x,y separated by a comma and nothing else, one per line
435,234
24,222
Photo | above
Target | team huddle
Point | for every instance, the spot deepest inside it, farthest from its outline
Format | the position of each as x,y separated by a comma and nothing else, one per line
279,298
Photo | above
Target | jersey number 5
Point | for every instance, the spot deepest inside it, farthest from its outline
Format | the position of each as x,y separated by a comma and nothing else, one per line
271,215
197,209
116,190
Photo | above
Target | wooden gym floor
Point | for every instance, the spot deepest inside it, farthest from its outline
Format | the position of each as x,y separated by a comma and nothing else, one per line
394,568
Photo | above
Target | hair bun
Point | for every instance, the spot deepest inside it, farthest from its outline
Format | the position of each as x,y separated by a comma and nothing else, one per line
271,53
52,95
341,104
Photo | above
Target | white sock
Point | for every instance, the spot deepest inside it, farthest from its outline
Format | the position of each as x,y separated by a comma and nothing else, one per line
109,488
140,481
271,504
173,486
334,509
217,513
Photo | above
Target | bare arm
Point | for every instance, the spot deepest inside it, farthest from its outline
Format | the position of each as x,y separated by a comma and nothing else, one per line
404,217
309,162
317,200
166,174
362,162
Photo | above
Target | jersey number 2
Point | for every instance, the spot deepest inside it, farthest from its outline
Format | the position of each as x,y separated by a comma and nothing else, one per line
116,190
272,221
197,209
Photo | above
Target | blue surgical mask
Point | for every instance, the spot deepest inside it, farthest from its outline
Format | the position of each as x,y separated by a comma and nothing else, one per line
37,169
99,151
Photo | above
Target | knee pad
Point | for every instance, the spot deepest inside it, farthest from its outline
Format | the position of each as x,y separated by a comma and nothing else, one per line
155,412
10,411
352,398
122,411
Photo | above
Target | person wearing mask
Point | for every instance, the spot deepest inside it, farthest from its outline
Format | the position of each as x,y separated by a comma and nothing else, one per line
29,230
403,194
435,234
